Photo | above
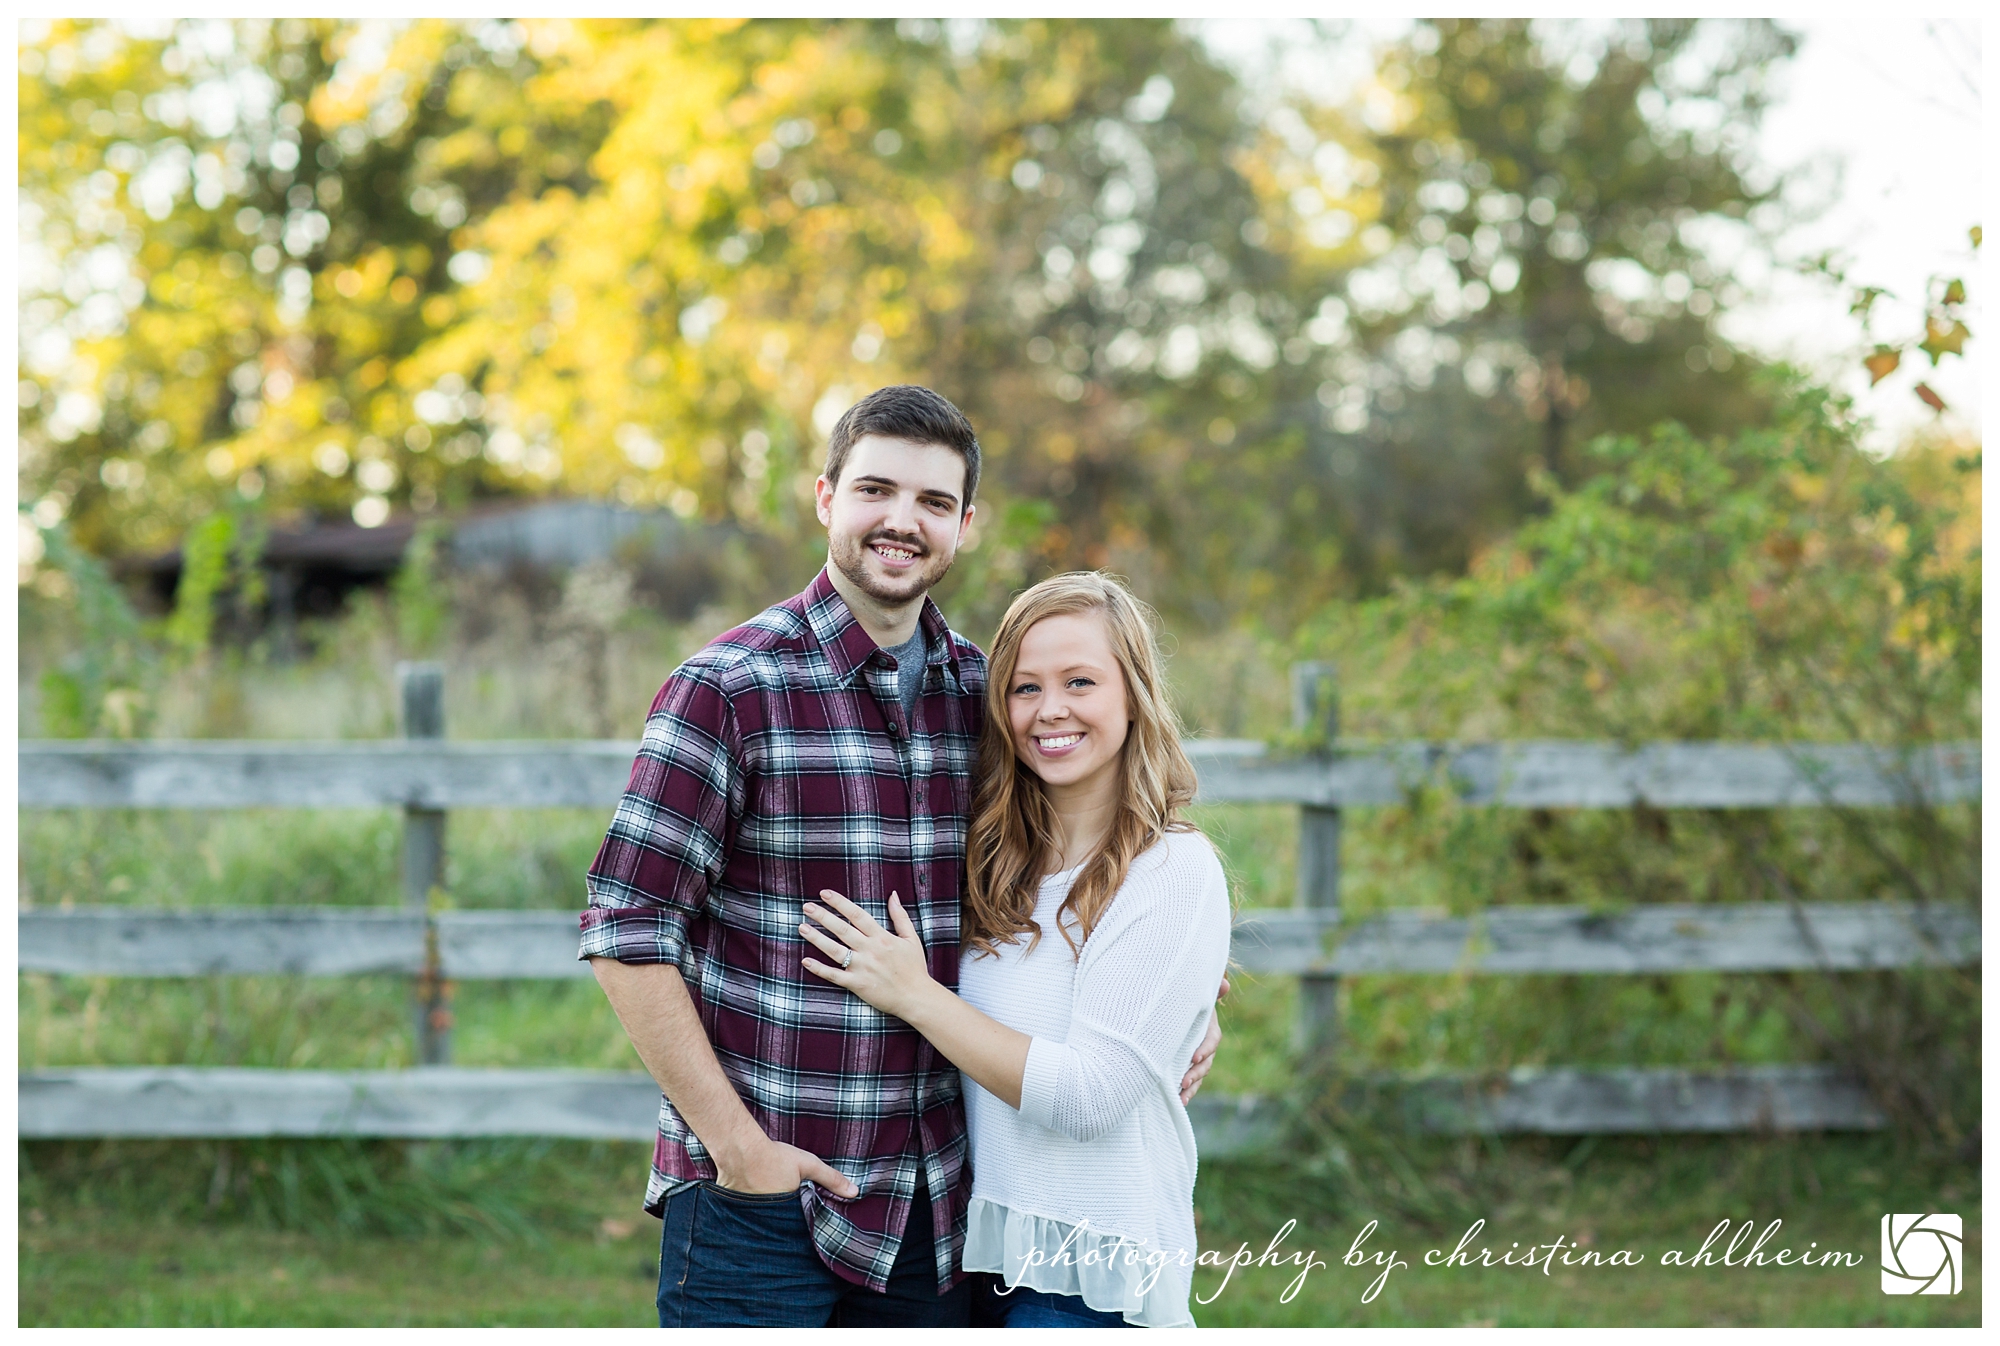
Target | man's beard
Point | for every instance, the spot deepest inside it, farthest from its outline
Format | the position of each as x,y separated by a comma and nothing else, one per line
850,557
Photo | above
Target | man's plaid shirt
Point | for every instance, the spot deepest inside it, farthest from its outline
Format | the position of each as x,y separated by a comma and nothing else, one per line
776,763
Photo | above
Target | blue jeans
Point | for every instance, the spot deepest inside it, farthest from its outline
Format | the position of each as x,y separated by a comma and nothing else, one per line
997,1306
734,1259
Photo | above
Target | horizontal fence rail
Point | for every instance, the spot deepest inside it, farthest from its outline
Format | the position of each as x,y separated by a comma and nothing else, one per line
421,1102
303,941
1663,937
1568,1101
449,1101
489,945
446,775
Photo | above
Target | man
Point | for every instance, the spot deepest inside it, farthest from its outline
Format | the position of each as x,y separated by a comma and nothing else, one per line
811,1167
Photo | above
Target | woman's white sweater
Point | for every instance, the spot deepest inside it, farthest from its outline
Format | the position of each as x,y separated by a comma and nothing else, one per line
1088,1189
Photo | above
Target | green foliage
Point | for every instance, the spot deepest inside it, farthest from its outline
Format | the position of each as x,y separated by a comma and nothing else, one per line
423,604
1777,585
103,686
1533,281
204,572
650,259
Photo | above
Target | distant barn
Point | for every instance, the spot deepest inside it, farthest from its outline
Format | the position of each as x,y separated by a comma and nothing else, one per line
563,534
310,569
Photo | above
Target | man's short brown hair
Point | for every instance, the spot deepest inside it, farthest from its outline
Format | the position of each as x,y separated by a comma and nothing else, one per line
906,411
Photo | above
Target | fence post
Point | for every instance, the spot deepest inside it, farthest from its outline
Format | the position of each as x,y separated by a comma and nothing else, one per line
422,687
1316,707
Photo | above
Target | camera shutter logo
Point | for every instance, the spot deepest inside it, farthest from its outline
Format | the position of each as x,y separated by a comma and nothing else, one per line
1922,1254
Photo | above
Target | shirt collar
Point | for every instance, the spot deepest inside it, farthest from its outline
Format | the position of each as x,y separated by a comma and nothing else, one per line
848,646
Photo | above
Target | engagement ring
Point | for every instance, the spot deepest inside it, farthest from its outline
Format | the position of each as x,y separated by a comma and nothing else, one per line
846,957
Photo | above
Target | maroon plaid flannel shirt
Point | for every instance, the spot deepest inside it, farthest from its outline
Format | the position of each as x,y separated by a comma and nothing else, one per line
776,763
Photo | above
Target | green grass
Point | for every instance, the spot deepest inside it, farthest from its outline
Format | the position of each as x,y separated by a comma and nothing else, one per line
283,857
342,1233
164,1275
335,1233
1646,1195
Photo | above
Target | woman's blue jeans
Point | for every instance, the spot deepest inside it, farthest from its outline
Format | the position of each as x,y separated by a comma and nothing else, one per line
996,1306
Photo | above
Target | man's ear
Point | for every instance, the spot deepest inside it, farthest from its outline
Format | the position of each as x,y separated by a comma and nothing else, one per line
965,525
823,500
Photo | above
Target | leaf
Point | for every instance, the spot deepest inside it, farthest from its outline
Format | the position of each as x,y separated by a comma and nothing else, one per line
1864,299
1882,364
1976,234
1929,397
1954,292
1942,337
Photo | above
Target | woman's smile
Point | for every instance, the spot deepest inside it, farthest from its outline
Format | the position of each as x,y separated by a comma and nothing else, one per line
1066,704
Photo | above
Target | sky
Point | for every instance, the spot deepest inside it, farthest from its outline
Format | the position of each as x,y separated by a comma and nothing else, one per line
1879,119
1896,102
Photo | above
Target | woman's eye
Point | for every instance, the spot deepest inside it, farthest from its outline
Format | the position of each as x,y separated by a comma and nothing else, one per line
1081,682
1026,689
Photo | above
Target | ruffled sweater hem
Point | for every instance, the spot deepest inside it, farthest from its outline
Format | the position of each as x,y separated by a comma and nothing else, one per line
1109,1272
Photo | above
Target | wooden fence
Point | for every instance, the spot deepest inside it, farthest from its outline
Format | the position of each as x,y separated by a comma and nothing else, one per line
428,776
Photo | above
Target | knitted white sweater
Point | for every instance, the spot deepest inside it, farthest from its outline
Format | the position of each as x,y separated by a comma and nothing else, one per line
1088,1189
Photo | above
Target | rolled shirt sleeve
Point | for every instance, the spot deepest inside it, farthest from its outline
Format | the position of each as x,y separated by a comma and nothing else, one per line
671,834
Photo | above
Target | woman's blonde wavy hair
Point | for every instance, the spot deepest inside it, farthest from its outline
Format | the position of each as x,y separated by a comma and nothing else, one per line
1014,841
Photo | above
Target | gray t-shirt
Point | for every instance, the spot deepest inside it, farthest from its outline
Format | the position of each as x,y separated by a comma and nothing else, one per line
909,658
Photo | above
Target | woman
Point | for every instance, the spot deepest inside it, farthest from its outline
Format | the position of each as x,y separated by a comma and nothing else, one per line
1096,930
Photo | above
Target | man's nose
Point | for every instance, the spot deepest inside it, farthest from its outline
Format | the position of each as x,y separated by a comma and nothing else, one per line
902,516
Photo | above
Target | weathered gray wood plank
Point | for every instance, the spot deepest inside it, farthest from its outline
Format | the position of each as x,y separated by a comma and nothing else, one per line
485,945
445,1101
1630,1099
215,775
494,945
592,774
1226,1125
1618,1100
427,1101
308,941
1602,775
1716,937
196,941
